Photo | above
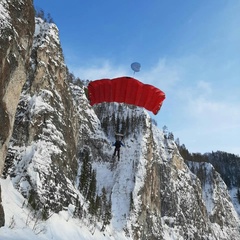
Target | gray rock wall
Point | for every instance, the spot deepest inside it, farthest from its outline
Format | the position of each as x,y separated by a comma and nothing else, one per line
16,37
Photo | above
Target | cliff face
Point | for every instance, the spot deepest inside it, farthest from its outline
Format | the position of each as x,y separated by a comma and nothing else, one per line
220,209
45,132
168,199
60,160
16,36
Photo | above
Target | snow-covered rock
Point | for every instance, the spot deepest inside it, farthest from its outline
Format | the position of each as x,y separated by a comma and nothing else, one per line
16,37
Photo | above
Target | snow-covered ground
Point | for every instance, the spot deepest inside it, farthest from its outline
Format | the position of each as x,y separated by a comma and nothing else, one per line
117,177
21,225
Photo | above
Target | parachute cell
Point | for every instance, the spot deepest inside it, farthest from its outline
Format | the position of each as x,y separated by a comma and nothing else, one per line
126,90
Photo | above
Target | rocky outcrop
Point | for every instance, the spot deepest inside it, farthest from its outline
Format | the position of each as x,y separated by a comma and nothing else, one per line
16,37
220,210
178,200
171,202
172,199
45,131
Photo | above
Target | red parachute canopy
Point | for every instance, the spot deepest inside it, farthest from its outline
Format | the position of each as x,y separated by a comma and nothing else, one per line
126,90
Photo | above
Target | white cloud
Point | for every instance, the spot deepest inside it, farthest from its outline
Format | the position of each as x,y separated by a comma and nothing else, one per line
207,123
165,74
214,115
99,69
204,87
198,110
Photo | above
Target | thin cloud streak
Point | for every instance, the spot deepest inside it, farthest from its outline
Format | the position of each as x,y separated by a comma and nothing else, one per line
98,70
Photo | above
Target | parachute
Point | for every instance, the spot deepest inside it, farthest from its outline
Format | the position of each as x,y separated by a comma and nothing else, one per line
126,90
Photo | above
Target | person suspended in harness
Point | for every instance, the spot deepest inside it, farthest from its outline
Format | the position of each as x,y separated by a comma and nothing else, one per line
117,145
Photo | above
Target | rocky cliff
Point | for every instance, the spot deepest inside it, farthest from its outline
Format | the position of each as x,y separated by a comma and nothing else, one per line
16,37
16,31
45,125
60,163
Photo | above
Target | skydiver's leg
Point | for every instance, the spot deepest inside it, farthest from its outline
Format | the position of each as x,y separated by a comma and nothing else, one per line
115,150
118,154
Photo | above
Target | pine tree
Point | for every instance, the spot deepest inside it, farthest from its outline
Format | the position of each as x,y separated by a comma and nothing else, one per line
98,204
127,130
104,199
113,123
154,122
92,193
185,153
238,195
108,213
78,209
40,14
131,201
45,213
165,131
177,141
106,209
170,136
118,125
85,176
92,186
49,18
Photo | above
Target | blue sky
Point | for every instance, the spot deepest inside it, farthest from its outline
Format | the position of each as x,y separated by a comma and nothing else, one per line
189,49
